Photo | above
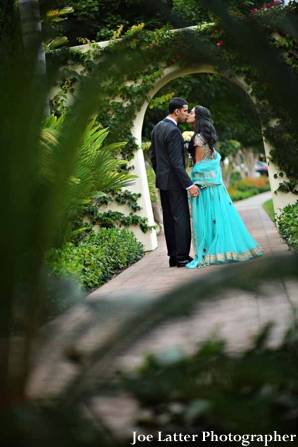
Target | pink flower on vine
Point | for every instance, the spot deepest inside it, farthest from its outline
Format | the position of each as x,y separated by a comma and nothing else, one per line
220,43
275,3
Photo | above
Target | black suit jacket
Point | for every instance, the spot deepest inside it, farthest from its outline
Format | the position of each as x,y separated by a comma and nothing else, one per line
167,157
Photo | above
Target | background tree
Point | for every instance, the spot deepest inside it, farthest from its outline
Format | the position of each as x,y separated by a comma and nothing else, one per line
190,12
98,19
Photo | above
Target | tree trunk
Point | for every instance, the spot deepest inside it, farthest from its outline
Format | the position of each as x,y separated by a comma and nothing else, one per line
33,44
235,161
250,159
226,172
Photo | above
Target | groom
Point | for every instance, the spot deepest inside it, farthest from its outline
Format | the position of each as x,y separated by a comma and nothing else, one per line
168,162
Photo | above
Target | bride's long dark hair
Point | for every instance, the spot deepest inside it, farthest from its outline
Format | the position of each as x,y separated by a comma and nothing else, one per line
203,126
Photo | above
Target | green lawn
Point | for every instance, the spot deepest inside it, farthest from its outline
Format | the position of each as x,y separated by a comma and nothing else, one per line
268,207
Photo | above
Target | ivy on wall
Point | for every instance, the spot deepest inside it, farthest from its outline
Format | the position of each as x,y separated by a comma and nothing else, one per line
112,219
212,44
123,198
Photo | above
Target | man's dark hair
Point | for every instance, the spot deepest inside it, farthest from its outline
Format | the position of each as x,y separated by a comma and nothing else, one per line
177,103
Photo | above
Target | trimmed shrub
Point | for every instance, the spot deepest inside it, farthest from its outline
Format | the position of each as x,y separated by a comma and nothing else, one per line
97,257
287,224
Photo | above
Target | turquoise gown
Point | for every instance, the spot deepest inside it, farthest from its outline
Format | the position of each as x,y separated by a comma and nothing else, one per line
219,234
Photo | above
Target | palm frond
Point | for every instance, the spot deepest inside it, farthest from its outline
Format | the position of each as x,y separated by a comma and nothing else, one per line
95,168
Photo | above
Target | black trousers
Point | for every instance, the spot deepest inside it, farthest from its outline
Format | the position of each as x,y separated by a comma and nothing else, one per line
176,222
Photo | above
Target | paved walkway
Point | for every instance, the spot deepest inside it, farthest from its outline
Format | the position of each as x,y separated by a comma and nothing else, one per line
236,317
152,275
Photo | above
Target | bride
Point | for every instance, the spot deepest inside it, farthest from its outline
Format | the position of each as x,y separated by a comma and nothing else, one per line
219,234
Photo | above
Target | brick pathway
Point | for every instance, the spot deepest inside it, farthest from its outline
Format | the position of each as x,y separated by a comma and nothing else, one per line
152,275
236,317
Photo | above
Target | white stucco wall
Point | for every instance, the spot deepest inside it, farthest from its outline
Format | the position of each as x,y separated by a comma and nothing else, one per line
149,239
280,200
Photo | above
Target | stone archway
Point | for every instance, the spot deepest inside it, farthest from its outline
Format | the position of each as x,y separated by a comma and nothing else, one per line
280,200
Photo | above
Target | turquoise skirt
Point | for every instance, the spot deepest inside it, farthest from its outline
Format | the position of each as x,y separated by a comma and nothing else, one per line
219,234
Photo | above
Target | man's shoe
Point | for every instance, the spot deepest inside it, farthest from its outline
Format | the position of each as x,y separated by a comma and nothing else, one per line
183,262
172,261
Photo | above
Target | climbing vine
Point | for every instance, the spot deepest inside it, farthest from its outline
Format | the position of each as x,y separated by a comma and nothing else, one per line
112,219
209,43
123,198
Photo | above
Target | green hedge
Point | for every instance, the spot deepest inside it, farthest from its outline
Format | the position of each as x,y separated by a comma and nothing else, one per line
88,263
97,257
287,224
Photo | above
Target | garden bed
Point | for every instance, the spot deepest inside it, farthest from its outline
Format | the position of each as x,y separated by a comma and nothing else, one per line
245,188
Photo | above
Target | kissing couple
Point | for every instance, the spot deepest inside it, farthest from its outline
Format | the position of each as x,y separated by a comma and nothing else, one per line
219,234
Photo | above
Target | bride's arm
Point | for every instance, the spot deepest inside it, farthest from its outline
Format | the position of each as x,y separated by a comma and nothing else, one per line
199,153
199,149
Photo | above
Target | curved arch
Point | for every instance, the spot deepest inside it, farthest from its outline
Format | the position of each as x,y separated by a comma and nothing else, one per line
141,185
171,73
174,72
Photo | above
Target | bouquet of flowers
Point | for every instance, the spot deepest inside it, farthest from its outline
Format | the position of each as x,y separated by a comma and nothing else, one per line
187,137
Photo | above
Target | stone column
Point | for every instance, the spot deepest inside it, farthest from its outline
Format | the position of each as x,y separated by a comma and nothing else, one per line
149,239
281,199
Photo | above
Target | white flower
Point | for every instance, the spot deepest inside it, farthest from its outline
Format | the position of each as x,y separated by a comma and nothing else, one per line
187,136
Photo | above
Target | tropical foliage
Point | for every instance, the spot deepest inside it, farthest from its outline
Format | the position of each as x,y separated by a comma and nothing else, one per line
95,168
54,17
75,255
